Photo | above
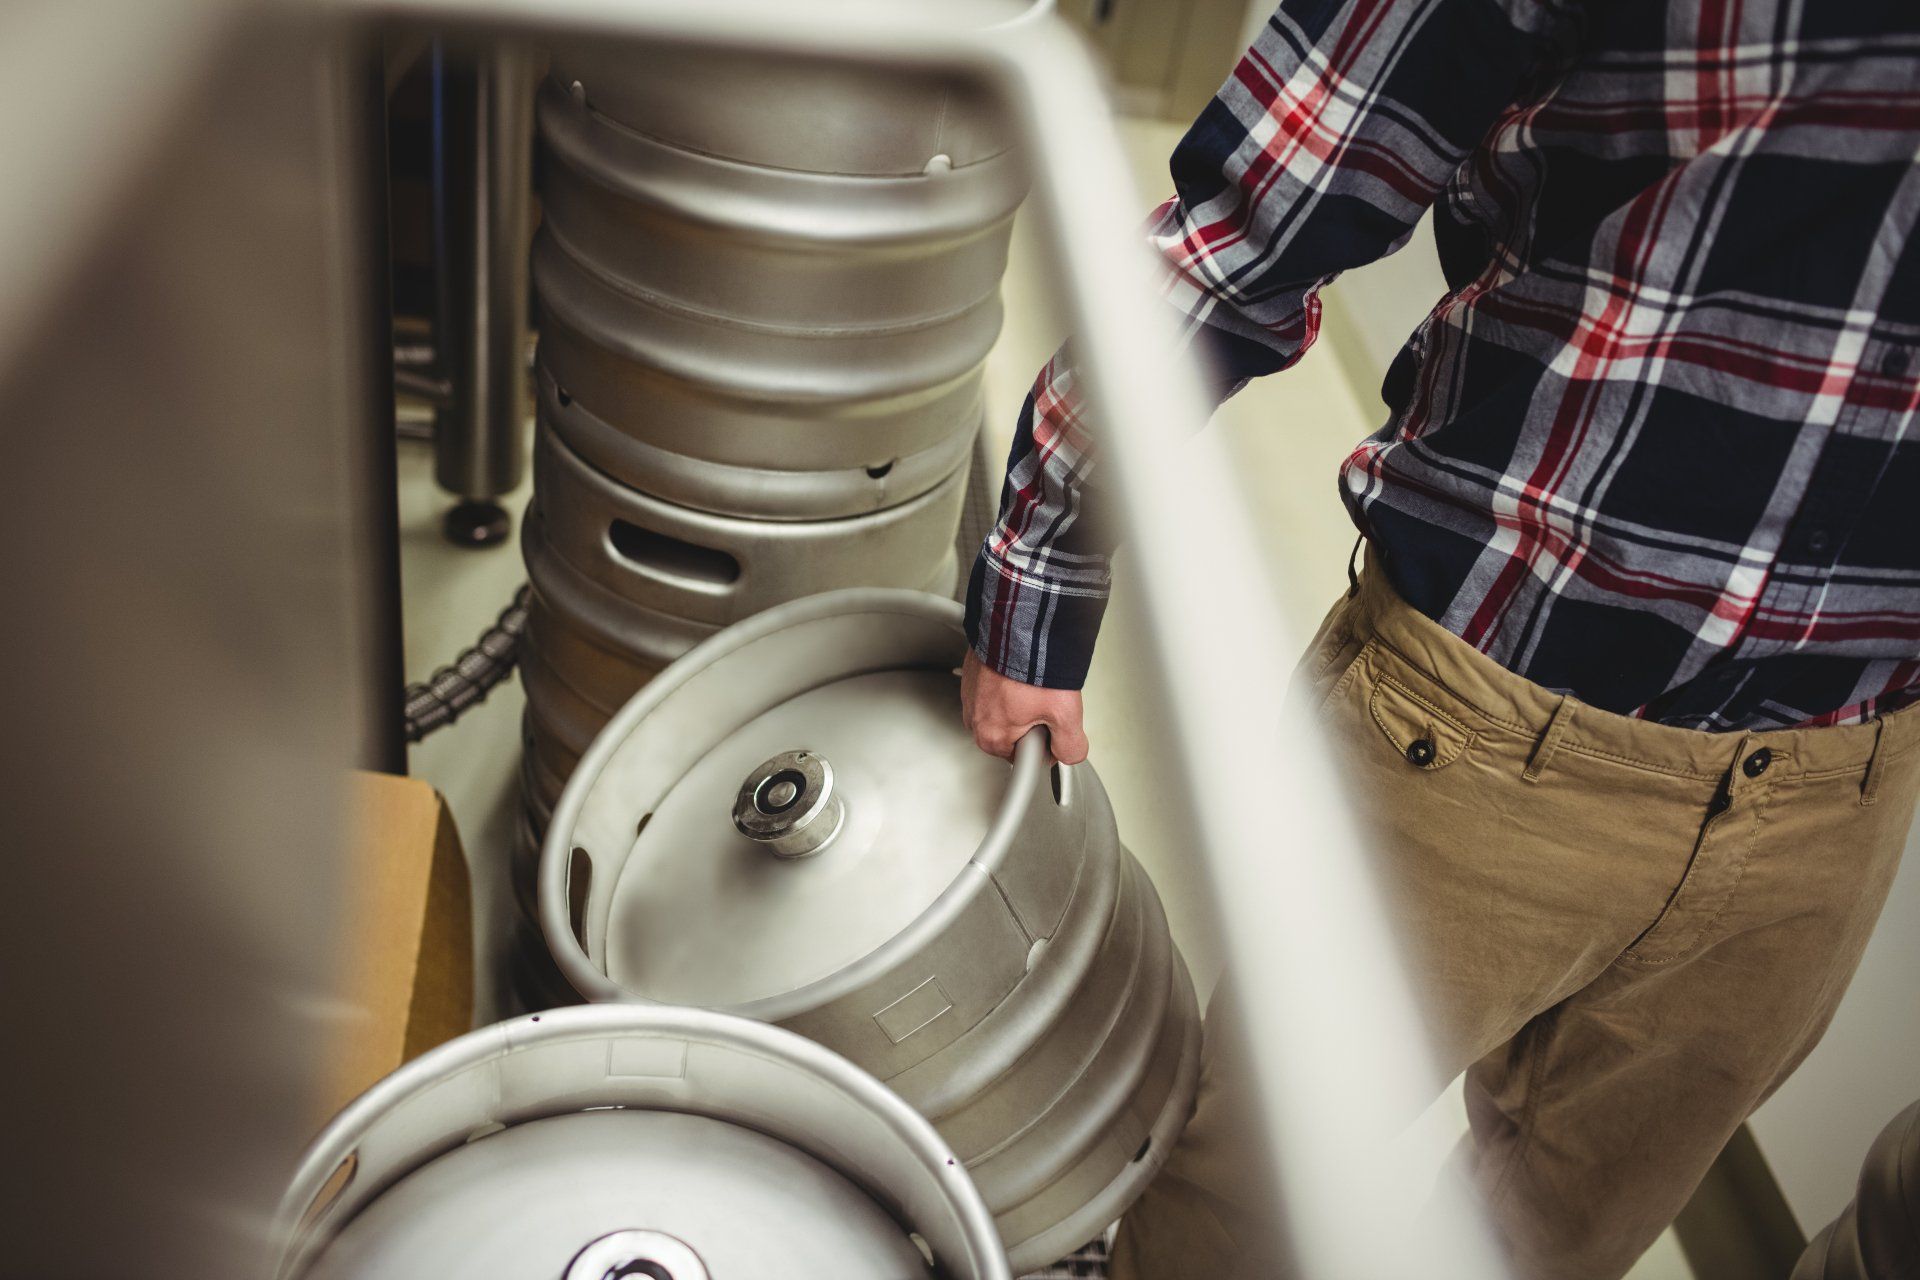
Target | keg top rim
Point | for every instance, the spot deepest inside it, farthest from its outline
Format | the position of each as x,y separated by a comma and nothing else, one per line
666,771
645,1192
719,902
597,1069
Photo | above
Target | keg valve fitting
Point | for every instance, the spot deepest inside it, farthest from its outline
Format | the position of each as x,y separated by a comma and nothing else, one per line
642,1255
789,804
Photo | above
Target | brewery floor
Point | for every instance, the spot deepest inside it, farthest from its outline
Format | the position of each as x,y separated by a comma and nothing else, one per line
1291,431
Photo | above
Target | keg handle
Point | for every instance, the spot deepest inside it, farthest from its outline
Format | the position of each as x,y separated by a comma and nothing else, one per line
675,562
636,1255
789,804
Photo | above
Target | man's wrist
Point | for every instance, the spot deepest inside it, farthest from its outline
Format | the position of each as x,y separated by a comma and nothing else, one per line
1030,629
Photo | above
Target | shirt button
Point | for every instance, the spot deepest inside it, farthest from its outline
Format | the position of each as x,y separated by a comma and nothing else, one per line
1420,752
1756,764
1819,540
1894,363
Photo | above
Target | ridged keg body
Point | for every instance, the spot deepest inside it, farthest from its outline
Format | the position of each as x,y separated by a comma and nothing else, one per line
778,312
624,583
971,932
651,1142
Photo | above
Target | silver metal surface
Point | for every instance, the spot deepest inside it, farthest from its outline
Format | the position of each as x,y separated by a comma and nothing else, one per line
762,108
974,934
789,804
651,1254
707,1144
867,462
623,584
712,569
705,917
589,647
483,185
784,331
607,646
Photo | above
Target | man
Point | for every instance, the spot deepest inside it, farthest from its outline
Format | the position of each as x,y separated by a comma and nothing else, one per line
1622,681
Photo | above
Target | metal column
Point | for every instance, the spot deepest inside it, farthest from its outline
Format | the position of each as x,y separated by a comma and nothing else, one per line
483,129
384,748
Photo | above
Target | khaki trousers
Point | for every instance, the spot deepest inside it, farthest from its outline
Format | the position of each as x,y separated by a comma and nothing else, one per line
1626,934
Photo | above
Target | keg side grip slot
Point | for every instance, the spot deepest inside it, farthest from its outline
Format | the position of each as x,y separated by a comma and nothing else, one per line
580,891
662,556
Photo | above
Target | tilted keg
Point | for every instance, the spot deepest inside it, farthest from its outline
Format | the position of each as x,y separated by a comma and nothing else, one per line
664,1144
791,823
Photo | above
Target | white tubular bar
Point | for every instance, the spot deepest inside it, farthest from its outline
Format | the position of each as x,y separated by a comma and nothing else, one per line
1335,1029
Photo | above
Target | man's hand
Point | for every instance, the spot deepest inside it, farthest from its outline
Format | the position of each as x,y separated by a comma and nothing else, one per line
999,712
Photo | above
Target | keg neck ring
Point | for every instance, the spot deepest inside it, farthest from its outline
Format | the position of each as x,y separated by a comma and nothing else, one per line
790,805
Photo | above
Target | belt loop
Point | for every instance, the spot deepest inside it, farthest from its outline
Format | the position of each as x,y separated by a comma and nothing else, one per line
1353,574
1870,785
1550,740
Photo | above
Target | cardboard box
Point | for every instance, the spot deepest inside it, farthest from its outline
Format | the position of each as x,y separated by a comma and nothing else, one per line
409,927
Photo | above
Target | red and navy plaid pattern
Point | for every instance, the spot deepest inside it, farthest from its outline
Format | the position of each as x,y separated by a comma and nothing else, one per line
1655,447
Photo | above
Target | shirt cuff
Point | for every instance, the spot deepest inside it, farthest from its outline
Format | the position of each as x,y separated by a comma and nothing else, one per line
1029,627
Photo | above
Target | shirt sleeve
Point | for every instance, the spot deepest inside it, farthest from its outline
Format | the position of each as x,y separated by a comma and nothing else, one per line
1335,132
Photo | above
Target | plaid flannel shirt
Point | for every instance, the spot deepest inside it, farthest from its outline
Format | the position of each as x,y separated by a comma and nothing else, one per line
1654,447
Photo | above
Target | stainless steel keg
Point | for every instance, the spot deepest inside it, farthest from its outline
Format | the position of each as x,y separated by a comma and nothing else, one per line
671,1144
791,823
777,332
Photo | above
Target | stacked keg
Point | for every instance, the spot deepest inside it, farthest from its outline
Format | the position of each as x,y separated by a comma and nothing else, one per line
765,293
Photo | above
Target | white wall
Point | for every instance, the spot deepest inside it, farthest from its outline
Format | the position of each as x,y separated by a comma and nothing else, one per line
1816,1130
